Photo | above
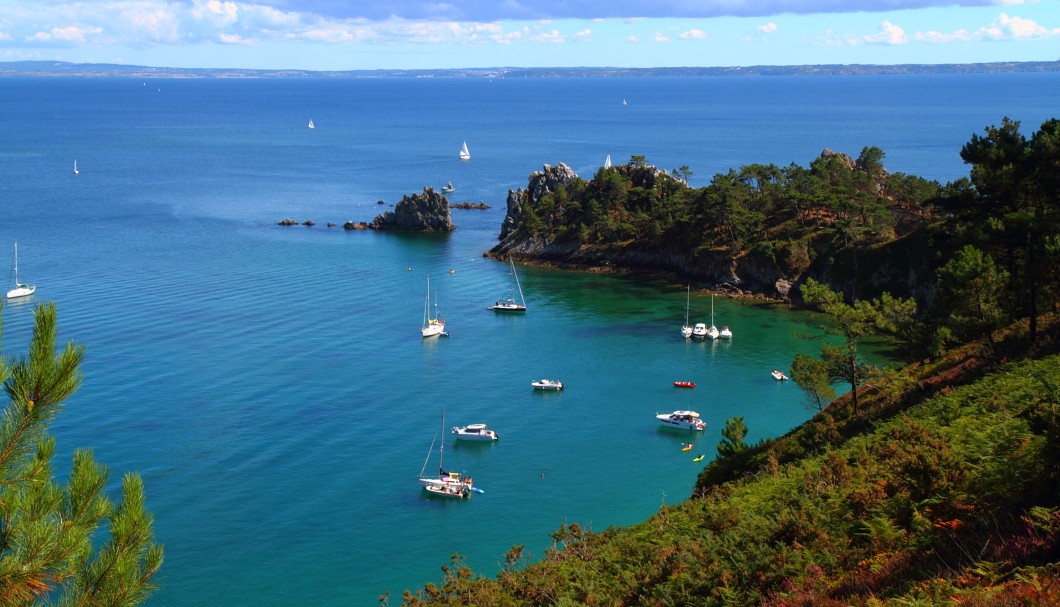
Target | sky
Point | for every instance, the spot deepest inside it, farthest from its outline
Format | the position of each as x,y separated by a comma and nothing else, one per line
436,34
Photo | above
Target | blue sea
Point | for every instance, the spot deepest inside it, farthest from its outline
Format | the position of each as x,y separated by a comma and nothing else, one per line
270,383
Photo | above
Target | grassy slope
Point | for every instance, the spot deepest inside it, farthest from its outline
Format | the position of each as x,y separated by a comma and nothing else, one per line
942,491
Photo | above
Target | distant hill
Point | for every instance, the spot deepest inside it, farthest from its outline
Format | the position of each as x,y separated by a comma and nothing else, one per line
115,70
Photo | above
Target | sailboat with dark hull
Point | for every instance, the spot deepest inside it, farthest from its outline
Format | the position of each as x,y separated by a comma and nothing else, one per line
509,304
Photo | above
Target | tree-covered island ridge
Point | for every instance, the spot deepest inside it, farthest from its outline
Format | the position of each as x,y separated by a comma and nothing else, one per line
934,483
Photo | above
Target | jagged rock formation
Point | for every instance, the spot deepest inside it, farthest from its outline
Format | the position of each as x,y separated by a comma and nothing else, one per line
471,205
540,184
426,212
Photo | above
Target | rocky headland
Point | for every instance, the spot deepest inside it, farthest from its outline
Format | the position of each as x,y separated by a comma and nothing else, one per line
636,217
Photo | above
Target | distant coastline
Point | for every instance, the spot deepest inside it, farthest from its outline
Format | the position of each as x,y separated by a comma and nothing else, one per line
113,70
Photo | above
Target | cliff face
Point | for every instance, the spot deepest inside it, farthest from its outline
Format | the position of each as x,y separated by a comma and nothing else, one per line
426,212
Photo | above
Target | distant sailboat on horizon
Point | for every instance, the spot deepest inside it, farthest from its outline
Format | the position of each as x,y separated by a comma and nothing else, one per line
75,167
607,162
465,154
311,125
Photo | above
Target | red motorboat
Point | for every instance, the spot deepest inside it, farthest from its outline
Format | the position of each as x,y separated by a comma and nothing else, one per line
685,384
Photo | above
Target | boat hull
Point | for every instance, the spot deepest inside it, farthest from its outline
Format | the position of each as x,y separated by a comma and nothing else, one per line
508,308
21,291
681,420
546,385
448,491
434,328
475,433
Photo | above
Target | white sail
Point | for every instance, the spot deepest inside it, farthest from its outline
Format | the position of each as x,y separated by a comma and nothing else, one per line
607,162
75,167
464,153
311,125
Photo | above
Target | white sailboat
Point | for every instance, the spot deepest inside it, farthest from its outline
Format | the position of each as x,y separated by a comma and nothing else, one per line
446,484
509,304
20,290
686,330
311,125
464,153
431,326
607,162
712,332
75,167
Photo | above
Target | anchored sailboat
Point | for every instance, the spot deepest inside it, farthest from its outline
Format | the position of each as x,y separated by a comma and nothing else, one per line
431,326
446,484
20,290
509,304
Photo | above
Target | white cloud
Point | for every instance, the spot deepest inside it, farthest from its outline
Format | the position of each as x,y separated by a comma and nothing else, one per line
889,34
660,37
693,34
768,28
549,37
67,35
633,38
586,35
1002,28
833,38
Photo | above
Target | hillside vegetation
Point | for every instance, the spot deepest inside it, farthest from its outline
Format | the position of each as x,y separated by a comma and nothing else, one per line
930,484
944,500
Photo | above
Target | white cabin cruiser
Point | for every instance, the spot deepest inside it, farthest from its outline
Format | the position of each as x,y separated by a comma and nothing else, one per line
682,420
547,384
475,432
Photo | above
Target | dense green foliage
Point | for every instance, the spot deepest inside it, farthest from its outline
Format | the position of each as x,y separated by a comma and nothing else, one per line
935,484
49,552
765,209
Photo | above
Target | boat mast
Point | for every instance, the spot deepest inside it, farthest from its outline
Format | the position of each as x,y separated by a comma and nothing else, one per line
688,300
521,300
441,447
427,302
16,264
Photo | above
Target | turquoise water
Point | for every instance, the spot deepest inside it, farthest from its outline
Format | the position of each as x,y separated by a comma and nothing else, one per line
270,383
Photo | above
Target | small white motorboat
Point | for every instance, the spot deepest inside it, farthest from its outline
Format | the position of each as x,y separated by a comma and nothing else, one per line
699,331
547,384
475,432
725,332
682,420
777,375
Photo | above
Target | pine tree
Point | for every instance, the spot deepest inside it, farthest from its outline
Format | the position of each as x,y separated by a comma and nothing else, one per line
49,552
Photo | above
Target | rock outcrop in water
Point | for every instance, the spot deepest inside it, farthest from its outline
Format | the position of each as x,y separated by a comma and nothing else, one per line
426,212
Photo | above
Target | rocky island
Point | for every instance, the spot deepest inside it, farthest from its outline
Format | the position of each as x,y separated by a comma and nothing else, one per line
426,212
